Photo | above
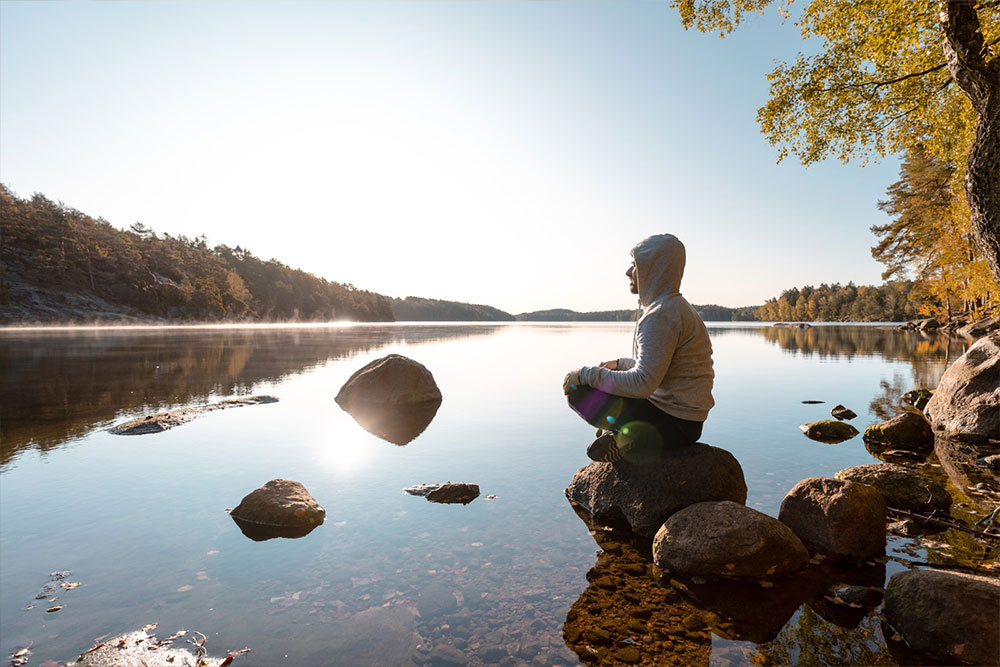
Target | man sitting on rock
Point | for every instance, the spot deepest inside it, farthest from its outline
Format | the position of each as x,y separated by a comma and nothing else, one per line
659,398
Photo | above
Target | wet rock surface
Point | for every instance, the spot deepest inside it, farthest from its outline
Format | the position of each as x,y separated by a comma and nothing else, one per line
980,327
641,497
391,380
908,431
280,508
954,617
967,399
447,493
727,539
901,487
829,431
840,412
841,519
917,398
162,421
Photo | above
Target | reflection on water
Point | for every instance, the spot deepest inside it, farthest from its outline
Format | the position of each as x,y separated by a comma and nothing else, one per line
390,580
259,532
398,424
58,386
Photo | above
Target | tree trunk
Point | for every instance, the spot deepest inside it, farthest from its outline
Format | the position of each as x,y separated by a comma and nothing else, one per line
966,53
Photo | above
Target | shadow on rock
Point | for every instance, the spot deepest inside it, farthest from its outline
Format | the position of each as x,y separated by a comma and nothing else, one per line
398,424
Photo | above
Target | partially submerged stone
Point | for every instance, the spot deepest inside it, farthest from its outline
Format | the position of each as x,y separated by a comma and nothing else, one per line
142,648
391,380
951,616
641,497
829,431
280,508
841,519
161,421
840,412
917,398
908,431
727,539
967,399
901,487
447,493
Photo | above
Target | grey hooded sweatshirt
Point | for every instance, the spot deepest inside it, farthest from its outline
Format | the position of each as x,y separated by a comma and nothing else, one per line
672,354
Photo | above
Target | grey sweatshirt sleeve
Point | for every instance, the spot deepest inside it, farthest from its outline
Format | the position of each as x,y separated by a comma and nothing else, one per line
656,340
625,363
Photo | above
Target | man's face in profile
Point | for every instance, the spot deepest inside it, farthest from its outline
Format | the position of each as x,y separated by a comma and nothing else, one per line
633,286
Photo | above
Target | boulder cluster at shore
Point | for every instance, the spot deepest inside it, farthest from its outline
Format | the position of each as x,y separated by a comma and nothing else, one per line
691,504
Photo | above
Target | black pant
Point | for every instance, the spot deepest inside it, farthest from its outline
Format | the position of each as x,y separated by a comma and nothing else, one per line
644,430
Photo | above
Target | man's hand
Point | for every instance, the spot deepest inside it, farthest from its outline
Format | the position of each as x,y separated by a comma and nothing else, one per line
610,365
571,381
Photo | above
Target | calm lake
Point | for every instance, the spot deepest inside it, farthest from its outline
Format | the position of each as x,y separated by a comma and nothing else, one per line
140,521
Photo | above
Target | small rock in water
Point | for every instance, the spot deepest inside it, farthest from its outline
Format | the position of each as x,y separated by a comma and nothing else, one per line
829,431
812,402
917,398
840,412
447,493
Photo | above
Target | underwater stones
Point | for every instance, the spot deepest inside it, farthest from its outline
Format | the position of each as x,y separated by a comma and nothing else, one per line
391,380
909,431
727,539
951,616
840,412
641,497
901,487
280,508
967,399
842,519
829,431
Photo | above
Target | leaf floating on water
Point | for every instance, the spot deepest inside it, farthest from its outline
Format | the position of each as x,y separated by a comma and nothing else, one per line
177,635
29,607
55,608
185,588
69,585
59,575
766,584
147,628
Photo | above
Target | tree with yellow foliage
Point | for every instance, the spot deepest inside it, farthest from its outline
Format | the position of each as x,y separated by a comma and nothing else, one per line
889,75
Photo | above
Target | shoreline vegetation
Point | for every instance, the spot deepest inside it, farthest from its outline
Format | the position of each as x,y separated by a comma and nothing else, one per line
59,266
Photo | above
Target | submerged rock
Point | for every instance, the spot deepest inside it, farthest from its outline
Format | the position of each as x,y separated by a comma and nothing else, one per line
840,412
641,497
843,520
280,508
391,380
901,487
829,431
728,539
142,648
908,431
447,493
917,398
967,399
950,616
161,421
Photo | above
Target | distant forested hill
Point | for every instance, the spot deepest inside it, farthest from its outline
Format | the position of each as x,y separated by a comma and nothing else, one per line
710,313
417,309
58,264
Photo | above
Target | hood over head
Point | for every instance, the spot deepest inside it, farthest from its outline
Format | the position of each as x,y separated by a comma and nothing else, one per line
659,263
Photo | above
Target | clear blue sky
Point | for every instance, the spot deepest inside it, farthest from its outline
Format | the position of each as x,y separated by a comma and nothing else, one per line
507,153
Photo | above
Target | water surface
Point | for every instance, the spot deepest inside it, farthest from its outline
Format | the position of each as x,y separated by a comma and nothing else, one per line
140,521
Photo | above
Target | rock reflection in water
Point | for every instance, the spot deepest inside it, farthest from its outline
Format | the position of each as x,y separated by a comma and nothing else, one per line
625,616
398,424
259,532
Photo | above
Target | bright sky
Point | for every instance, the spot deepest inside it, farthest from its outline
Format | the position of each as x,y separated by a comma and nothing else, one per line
506,153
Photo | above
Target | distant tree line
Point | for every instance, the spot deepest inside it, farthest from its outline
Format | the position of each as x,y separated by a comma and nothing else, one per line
889,302
417,309
53,248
